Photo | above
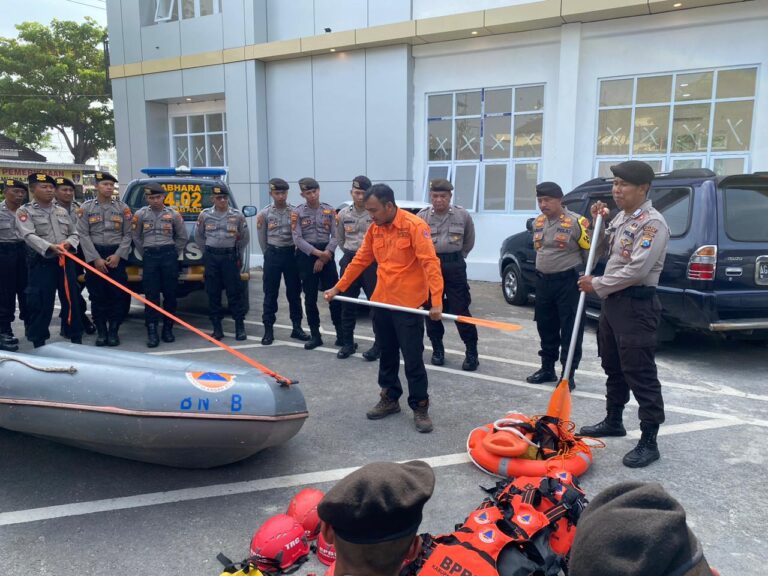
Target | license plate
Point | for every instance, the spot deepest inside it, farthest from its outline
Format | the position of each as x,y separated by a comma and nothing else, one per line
761,271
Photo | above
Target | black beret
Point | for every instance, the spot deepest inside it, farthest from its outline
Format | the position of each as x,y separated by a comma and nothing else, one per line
278,184
101,176
440,185
634,172
635,529
152,188
308,184
13,183
60,181
549,189
361,183
219,191
39,177
379,502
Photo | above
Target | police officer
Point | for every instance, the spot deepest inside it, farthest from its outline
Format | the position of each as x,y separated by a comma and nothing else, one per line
13,262
160,236
636,241
273,225
352,224
453,234
64,196
104,227
314,233
561,241
222,234
48,232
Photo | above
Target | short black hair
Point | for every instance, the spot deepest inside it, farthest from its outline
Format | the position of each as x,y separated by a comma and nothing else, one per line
382,192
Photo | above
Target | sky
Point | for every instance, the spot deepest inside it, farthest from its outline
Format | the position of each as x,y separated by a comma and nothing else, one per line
16,11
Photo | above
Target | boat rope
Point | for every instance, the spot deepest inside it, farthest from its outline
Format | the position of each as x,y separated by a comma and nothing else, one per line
66,370
282,380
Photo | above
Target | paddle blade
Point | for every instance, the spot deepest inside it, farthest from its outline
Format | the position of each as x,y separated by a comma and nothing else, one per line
560,402
495,324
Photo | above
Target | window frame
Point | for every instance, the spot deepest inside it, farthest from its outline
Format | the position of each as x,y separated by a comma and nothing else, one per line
204,109
169,16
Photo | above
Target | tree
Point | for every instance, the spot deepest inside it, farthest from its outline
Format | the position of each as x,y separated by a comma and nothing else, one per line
54,78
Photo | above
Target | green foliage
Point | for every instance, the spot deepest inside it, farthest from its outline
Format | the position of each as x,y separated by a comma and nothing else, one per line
53,77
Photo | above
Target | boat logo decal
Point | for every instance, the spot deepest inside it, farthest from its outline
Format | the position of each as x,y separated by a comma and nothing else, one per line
211,381
482,518
487,536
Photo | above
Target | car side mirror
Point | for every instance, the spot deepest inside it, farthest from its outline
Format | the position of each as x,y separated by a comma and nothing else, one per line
529,224
250,211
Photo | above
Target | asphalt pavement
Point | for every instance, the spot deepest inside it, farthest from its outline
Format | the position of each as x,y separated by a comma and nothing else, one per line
69,512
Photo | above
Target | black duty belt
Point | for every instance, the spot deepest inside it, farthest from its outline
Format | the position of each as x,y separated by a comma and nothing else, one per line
450,257
11,246
637,292
271,248
350,253
105,247
160,249
565,275
321,246
214,250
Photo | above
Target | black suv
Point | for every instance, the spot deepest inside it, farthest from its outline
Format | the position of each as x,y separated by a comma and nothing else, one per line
715,276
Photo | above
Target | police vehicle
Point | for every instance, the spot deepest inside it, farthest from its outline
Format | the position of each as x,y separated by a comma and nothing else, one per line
715,275
188,191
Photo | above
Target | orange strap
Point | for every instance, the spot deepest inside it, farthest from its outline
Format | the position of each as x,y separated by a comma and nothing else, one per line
282,380
63,264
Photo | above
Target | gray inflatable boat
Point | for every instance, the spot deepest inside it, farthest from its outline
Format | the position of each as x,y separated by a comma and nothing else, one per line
189,414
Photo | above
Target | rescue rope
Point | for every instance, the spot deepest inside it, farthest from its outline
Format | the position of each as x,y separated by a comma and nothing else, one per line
63,264
282,380
70,370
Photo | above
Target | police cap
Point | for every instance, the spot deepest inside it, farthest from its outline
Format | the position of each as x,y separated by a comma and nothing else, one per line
102,176
379,502
361,183
13,183
153,188
219,191
40,178
60,181
550,189
440,185
634,172
278,184
308,184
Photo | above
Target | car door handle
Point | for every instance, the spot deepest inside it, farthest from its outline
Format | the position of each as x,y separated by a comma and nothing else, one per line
734,271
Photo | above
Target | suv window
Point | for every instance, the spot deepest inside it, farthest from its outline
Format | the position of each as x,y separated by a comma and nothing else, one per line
675,205
187,198
746,213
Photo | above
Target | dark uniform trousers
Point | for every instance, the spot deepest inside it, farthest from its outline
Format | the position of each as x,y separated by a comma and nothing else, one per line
160,275
626,341
280,262
399,332
557,300
311,283
222,272
45,277
456,298
367,282
108,302
13,263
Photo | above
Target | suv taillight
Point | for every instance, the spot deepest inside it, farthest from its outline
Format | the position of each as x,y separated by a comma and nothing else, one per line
703,264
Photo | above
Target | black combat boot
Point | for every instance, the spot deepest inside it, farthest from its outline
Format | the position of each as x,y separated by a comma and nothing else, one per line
373,353
269,335
240,330
611,426
153,340
421,418
647,450
471,362
112,338
76,339
315,339
544,374
167,335
384,407
438,353
298,332
218,330
88,326
101,333
346,351
6,335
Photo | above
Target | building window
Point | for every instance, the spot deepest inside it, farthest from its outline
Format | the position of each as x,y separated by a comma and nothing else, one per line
199,140
680,120
488,143
171,10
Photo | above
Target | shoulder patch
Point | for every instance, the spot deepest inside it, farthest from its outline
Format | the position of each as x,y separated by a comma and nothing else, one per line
127,213
22,215
80,212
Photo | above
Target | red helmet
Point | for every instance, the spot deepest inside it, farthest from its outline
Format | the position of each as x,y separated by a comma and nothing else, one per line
303,507
278,544
331,570
326,553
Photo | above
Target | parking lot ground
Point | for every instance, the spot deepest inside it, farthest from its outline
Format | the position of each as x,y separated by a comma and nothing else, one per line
70,512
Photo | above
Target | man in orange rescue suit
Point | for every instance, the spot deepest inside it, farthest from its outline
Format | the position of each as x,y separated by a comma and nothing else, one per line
626,338
561,241
408,275
104,226
160,236
453,234
314,233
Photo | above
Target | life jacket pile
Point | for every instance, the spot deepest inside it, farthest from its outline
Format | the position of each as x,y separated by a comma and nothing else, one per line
524,527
